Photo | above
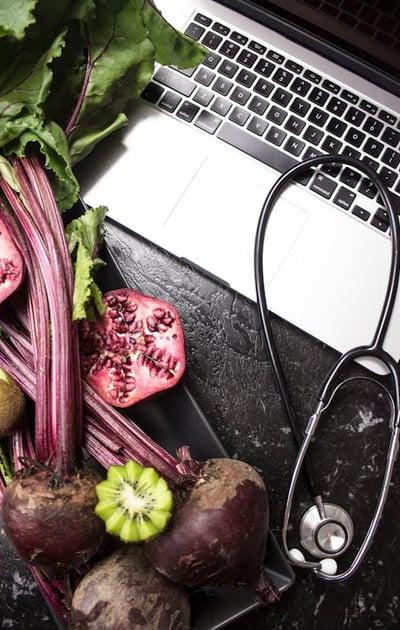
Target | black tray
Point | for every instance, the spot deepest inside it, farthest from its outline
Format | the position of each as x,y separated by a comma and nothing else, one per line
173,419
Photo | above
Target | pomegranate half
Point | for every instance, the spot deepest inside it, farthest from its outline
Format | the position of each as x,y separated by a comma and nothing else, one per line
134,350
11,261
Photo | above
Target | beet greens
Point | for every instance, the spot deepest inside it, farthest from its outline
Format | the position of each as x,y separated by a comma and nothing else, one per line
67,71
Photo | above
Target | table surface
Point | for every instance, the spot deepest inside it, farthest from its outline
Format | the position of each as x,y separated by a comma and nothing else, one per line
229,374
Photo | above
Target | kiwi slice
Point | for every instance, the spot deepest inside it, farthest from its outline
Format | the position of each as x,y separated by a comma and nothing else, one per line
134,502
12,404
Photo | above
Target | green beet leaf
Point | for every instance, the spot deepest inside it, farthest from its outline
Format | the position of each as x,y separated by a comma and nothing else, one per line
68,70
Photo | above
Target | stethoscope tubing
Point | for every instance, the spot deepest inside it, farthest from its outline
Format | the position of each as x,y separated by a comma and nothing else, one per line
374,348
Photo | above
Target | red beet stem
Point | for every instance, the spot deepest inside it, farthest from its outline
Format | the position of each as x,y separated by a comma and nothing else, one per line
58,415
125,439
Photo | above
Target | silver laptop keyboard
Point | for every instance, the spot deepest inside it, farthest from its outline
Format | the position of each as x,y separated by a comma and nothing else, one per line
280,112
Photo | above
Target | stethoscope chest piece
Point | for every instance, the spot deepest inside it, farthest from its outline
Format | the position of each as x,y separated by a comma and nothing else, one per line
326,531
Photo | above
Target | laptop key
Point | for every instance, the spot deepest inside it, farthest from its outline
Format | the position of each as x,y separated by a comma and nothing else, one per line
361,213
331,145
152,92
373,147
373,126
258,105
211,60
318,96
318,116
379,223
247,58
344,198
350,97
350,177
388,176
312,76
212,40
195,31
239,116
222,86
264,67
204,76
255,147
282,76
391,158
242,39
354,116
174,81
367,188
263,87
276,115
203,96
313,135
293,66
294,146
240,95
299,106
300,86
281,96
170,101
391,136
229,49
355,137
295,125
228,68
257,125
323,185
202,19
187,111
207,121
276,136
221,106
246,78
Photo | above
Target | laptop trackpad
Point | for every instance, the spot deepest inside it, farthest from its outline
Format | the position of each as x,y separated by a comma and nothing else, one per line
216,218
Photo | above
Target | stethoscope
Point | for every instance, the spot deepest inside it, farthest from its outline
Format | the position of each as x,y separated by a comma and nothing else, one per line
326,530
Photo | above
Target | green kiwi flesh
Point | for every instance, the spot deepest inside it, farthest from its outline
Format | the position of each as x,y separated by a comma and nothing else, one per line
134,502
12,404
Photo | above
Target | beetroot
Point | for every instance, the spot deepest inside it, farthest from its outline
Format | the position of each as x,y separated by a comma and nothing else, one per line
52,522
134,350
11,262
124,591
217,535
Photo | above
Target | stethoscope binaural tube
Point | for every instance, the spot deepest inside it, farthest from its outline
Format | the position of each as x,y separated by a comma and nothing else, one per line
331,383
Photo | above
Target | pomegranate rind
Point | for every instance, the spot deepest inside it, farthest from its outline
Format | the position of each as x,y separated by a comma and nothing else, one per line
133,351
11,263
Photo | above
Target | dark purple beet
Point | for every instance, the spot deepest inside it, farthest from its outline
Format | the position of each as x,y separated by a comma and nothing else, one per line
124,592
52,523
217,536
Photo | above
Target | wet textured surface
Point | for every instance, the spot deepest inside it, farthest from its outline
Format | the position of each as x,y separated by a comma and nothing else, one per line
230,376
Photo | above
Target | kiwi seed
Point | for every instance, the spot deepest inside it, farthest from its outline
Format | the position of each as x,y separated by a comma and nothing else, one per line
134,501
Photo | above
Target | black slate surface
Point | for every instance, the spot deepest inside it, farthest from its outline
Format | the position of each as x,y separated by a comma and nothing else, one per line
229,375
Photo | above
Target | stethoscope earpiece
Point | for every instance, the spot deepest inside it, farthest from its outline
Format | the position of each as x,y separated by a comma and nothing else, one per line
328,566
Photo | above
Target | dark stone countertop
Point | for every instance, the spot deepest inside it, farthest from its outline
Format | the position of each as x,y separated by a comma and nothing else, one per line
230,376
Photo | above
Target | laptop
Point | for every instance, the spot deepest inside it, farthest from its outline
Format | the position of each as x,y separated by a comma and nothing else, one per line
282,81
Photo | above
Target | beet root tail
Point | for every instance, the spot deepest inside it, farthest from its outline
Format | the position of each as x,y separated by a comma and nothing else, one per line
266,590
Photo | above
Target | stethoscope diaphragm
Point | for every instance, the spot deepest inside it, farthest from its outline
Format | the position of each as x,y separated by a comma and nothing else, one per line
326,530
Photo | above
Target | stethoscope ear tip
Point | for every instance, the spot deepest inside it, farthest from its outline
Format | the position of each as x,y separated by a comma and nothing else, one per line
296,555
328,566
